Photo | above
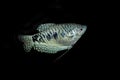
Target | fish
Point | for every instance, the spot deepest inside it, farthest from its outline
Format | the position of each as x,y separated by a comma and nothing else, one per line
52,38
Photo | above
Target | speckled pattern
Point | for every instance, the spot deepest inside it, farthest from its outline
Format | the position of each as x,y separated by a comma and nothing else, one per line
51,39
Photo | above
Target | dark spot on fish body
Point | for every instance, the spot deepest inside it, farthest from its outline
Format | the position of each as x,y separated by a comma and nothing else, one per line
37,38
55,35
48,37
34,38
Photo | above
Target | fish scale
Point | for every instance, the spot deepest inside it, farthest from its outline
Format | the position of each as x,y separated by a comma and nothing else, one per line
44,35
44,27
59,29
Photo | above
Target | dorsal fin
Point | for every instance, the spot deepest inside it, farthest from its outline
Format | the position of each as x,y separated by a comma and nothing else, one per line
44,27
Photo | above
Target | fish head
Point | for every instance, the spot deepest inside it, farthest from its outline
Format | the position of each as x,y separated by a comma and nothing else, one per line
80,30
75,34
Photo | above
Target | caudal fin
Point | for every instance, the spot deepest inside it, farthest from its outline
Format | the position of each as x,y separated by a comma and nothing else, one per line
27,42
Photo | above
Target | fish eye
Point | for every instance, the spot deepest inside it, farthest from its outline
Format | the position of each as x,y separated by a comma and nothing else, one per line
81,29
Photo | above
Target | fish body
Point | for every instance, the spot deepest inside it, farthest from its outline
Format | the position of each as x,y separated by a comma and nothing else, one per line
52,38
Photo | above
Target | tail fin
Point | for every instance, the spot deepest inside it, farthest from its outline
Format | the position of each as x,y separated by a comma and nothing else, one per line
27,42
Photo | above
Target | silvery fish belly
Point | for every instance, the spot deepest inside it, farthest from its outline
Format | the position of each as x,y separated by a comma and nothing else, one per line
52,38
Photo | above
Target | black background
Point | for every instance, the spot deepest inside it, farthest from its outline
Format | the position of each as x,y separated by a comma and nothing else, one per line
21,16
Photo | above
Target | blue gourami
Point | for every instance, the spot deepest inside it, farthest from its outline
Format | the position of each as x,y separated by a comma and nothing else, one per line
52,38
